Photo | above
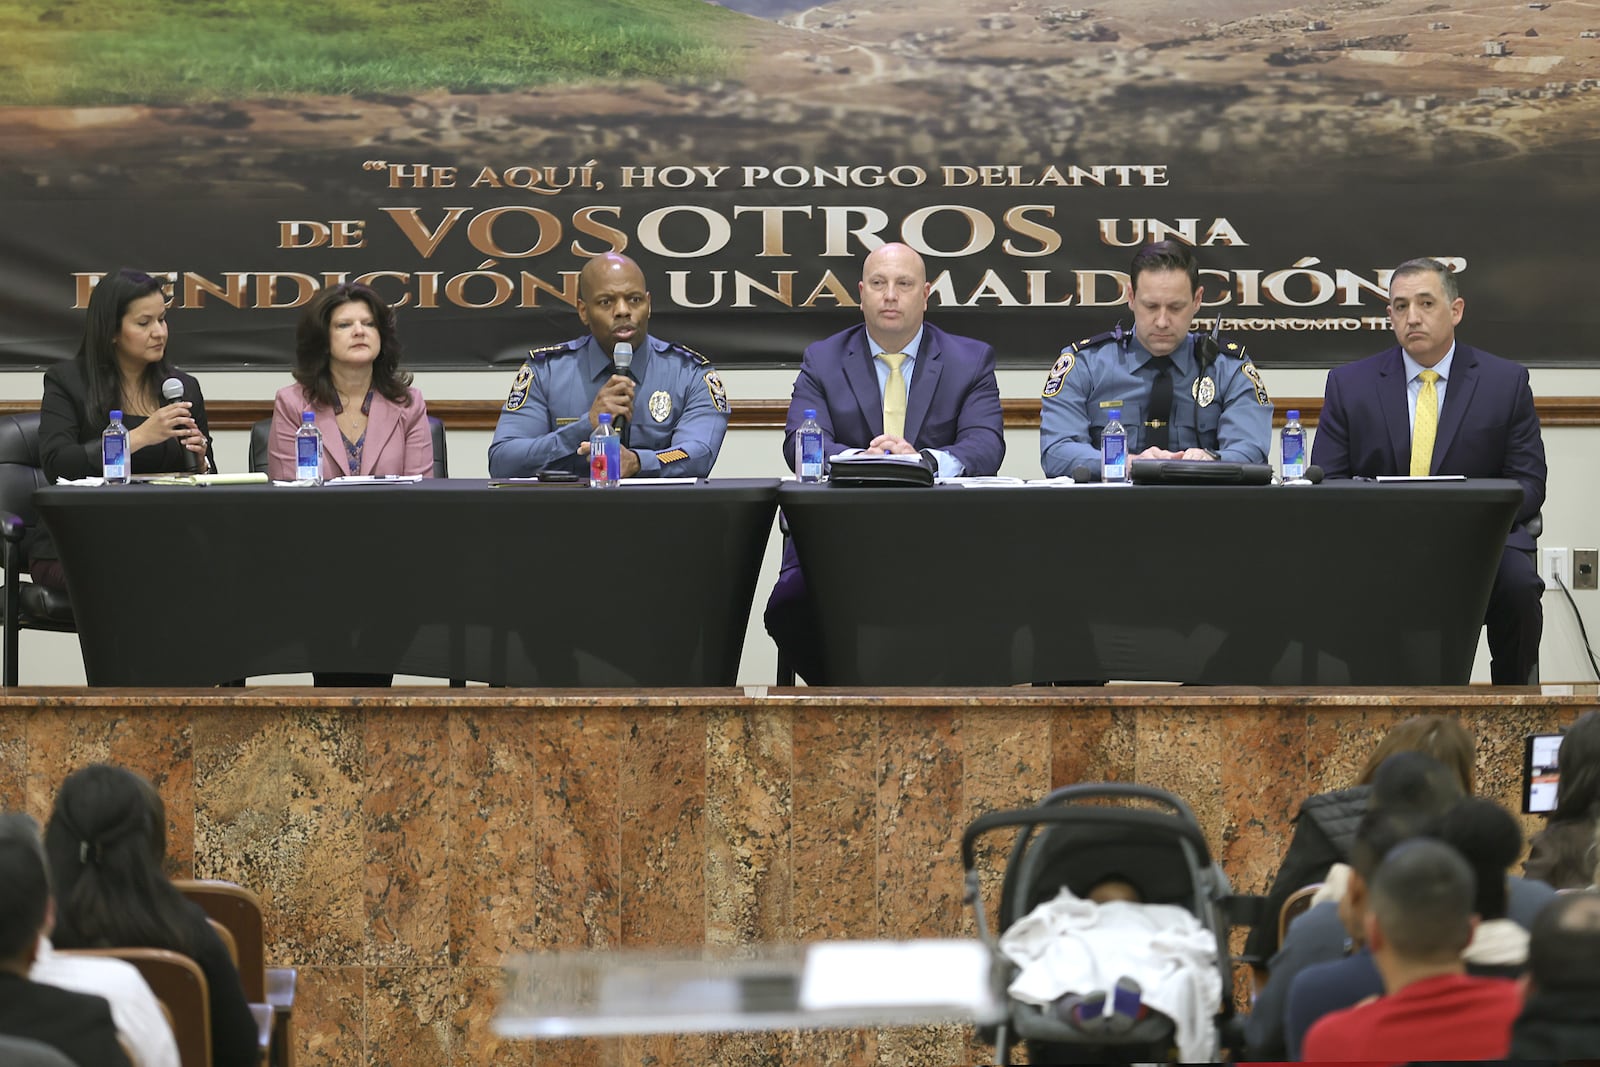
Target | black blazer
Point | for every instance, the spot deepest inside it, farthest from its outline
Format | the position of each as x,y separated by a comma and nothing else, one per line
76,1023
69,435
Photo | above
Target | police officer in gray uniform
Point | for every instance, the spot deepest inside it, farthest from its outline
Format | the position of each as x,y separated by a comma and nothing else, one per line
674,403
1182,395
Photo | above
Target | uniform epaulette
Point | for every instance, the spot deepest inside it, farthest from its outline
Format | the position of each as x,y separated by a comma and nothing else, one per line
561,346
1235,349
699,360
1095,341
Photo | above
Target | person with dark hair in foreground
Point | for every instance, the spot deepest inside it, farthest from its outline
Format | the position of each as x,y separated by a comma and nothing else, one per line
106,840
1419,922
77,1024
1560,1017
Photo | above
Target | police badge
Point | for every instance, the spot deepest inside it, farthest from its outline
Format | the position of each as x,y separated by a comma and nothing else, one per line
660,405
1204,391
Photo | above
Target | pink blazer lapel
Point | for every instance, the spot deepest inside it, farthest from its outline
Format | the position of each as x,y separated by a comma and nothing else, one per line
384,443
334,462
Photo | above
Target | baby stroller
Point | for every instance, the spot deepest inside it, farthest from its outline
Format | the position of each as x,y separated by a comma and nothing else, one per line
1068,842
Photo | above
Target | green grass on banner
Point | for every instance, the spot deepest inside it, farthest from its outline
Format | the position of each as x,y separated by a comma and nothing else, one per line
95,52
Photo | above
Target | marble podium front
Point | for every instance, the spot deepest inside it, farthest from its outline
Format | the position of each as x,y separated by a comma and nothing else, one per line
405,842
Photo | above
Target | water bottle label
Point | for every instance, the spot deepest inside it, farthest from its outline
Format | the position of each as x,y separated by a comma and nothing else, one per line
114,455
1294,455
811,457
1114,458
308,458
605,461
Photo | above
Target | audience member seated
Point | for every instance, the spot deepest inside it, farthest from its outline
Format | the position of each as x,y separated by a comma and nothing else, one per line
1559,1020
1562,854
106,841
1420,921
1326,821
141,1024
347,371
121,365
1487,837
77,1024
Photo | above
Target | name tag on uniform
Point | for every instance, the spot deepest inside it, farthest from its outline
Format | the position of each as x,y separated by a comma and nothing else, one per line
1104,404
565,422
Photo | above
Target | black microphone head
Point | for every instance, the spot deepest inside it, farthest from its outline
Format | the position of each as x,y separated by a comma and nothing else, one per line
1314,474
172,390
1081,474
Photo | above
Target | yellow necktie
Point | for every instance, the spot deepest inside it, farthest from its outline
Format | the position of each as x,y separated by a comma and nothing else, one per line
1426,427
894,396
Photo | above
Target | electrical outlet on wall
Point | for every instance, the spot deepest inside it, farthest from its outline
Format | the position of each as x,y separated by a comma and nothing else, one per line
1554,562
1585,561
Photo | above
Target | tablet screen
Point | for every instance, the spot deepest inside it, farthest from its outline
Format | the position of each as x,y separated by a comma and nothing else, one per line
1539,775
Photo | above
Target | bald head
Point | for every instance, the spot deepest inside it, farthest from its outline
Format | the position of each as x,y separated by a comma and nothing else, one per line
613,301
894,295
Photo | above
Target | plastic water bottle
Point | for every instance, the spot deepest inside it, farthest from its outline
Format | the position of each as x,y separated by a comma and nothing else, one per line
605,456
1114,450
308,450
114,451
1292,446
810,448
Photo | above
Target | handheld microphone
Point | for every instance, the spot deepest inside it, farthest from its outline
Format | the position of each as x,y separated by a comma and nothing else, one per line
622,359
172,392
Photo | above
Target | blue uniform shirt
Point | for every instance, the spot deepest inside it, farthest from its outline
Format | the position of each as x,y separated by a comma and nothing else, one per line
1227,411
680,410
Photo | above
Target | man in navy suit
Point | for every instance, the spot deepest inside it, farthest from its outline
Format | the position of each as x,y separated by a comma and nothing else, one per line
1379,412
894,384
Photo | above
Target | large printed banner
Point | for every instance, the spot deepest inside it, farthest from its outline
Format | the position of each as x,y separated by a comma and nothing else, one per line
465,158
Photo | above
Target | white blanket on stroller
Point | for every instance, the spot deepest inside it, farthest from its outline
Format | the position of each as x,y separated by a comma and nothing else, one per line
1070,945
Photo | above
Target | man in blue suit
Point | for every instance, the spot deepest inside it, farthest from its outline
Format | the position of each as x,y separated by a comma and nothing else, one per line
894,384
1380,414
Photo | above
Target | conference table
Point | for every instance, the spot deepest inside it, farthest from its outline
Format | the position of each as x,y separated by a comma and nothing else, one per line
1343,583
649,584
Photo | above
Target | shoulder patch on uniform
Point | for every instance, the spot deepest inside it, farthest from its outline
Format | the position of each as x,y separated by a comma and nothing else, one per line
672,455
1254,375
719,395
1059,371
519,388
699,360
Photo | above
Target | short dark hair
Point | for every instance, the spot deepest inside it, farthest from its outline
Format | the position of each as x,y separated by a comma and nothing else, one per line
1424,265
1490,840
312,357
1165,255
97,351
1578,761
1381,830
1415,781
24,886
1564,944
1422,896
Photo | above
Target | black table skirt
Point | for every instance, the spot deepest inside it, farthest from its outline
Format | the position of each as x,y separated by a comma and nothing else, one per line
541,585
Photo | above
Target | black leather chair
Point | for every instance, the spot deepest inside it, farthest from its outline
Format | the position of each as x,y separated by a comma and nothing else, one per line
261,431
27,606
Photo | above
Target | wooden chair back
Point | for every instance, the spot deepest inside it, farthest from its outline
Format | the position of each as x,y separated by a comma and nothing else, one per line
238,911
180,986
1298,904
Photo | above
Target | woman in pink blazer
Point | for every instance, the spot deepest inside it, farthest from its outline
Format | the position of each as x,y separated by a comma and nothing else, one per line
347,371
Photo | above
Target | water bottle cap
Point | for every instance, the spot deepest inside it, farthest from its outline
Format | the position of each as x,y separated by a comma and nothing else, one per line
116,414
811,413
1116,413
1294,416
308,416
605,418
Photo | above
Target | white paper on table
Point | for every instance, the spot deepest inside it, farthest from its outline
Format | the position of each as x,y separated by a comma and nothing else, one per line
930,973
